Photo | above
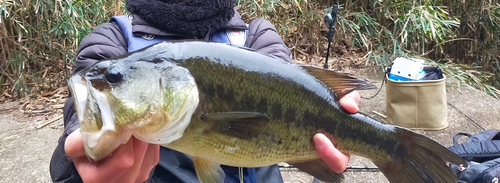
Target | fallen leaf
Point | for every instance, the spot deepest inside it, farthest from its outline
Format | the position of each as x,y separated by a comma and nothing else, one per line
56,91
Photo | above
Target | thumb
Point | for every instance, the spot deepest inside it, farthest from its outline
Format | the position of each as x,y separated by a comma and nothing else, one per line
336,160
73,147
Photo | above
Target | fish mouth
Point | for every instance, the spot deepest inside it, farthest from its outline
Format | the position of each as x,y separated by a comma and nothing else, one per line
96,118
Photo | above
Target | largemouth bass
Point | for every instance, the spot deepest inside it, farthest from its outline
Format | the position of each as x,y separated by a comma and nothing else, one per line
227,105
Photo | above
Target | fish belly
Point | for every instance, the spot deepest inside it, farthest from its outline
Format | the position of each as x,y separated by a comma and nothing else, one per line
270,147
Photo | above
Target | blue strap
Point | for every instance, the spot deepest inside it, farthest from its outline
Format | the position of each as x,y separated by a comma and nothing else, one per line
221,36
135,42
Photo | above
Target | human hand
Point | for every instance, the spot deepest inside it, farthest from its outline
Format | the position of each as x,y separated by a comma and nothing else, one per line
130,162
336,160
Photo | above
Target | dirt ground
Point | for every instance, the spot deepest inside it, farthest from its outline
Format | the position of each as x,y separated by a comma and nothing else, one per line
25,151
26,147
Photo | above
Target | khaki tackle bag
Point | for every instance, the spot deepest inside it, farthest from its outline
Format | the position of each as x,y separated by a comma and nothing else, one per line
417,104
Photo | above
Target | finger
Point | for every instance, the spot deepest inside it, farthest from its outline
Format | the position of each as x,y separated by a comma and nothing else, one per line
73,147
355,95
111,168
151,159
336,160
139,149
350,102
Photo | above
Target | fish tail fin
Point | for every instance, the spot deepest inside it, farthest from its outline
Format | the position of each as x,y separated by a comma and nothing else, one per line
419,159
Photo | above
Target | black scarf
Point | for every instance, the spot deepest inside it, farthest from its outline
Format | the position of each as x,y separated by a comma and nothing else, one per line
188,17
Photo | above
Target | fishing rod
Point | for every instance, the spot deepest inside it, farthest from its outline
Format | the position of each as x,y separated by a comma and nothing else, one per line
348,169
330,19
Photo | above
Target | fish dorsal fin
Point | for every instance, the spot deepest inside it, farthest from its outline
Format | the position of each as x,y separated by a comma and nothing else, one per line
242,125
208,171
341,83
320,170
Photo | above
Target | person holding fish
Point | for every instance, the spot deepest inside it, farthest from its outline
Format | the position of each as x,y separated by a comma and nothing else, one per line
176,73
150,22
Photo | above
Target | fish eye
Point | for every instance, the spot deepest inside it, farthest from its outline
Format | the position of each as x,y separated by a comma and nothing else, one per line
114,77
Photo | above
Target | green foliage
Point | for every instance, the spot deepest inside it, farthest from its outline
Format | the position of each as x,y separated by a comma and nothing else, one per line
41,36
458,32
397,28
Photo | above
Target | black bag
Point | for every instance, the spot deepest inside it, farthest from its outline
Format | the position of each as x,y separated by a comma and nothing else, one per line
482,153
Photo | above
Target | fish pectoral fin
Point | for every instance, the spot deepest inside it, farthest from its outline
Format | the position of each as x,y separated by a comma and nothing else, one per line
341,83
242,125
320,170
208,171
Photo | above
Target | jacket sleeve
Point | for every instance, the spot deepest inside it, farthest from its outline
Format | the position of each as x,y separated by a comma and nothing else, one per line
105,41
263,36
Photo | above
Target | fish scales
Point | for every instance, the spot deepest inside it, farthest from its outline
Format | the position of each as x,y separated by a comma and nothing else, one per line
306,112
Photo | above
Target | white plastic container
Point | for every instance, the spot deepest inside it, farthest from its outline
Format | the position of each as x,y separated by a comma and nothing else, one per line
404,69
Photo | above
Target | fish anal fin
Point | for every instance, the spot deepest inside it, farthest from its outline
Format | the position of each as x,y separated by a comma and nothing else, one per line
242,125
320,170
341,83
208,171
